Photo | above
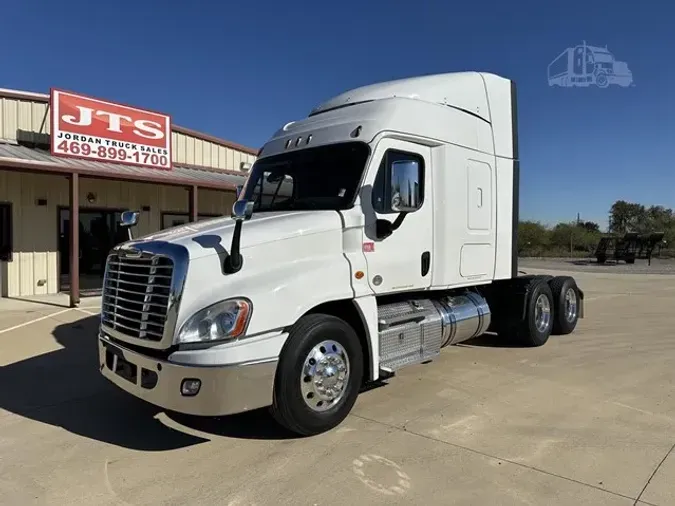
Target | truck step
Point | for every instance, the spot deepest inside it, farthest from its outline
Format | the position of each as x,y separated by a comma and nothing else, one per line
386,373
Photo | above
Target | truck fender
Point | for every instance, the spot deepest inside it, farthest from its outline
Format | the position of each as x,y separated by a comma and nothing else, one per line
367,308
361,314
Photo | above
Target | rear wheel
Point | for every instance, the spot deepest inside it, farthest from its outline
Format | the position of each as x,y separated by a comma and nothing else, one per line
319,375
566,299
536,328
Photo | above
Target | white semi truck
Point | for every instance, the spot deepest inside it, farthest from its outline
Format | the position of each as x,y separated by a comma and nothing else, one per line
368,236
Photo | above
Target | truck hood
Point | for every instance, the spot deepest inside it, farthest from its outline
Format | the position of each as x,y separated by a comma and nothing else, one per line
209,237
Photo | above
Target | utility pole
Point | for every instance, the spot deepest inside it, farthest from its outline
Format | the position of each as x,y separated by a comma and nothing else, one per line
572,235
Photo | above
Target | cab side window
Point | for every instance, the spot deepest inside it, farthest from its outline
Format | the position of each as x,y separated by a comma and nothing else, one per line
384,190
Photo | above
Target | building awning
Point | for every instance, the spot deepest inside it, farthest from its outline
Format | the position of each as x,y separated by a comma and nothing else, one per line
17,156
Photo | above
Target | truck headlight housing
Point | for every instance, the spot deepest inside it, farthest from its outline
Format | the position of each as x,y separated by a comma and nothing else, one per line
223,321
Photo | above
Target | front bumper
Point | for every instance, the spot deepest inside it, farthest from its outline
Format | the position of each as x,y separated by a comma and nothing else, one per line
224,390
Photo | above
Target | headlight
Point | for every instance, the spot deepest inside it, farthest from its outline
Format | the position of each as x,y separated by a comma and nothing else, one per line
225,320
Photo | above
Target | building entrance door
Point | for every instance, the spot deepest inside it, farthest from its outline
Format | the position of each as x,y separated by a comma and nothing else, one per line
99,233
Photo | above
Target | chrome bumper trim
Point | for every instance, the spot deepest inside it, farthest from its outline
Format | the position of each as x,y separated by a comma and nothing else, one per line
224,390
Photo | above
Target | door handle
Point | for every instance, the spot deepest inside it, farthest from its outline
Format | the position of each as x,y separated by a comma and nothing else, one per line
426,263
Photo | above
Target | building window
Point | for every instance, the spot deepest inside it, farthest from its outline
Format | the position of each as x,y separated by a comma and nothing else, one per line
6,245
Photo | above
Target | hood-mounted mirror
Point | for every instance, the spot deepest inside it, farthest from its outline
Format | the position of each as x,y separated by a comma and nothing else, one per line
129,219
242,210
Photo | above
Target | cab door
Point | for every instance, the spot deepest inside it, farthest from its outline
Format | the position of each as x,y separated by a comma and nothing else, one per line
398,207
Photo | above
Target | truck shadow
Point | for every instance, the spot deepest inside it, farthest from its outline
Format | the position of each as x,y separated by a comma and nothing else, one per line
256,424
211,241
64,388
491,340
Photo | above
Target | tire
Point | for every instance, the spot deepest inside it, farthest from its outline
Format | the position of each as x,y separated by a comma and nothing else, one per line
630,260
536,328
298,403
601,259
566,299
601,80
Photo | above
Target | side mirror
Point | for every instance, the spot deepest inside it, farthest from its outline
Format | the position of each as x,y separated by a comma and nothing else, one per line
129,219
242,210
277,177
405,186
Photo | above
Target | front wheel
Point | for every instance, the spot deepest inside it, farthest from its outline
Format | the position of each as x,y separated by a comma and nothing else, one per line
318,376
601,80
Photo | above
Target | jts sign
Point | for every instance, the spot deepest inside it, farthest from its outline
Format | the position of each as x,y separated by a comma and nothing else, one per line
84,127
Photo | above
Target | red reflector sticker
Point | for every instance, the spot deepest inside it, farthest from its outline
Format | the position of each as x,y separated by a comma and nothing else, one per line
368,247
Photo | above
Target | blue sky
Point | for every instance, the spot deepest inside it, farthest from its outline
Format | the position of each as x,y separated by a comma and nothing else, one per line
239,70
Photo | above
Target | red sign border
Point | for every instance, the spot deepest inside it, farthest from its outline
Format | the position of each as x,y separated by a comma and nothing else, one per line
52,139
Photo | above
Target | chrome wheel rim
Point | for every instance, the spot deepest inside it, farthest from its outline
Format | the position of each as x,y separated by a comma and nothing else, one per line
570,305
325,375
542,312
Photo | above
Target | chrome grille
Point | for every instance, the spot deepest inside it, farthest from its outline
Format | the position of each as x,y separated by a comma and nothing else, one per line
136,293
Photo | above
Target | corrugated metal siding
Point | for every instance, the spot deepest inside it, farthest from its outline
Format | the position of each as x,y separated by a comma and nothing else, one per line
23,119
35,267
216,202
192,151
26,120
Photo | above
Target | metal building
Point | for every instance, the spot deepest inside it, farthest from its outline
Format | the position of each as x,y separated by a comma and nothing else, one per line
52,206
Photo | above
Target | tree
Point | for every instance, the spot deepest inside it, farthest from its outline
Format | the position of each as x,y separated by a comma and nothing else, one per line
532,237
562,235
589,226
627,217
659,218
571,237
535,239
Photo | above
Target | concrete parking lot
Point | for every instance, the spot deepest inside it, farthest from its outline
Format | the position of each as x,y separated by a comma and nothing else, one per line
588,419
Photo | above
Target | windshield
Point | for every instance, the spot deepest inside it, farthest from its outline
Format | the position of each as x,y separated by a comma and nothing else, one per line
602,56
321,178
